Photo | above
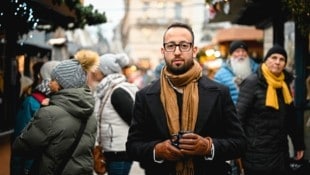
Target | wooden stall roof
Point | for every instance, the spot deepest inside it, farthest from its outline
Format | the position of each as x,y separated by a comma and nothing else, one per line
238,33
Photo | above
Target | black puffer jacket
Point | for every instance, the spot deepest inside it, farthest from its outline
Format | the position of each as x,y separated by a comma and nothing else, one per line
266,128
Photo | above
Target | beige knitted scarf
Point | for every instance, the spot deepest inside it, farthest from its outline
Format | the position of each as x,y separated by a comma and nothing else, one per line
188,83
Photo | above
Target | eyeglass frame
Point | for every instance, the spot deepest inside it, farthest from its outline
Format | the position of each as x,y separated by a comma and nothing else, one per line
178,45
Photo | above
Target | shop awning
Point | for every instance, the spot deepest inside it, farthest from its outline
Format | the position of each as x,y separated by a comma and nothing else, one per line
238,33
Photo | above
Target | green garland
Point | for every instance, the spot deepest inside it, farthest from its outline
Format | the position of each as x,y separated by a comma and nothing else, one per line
84,14
22,16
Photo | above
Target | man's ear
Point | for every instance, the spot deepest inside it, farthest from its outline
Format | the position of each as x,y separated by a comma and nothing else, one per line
162,50
195,51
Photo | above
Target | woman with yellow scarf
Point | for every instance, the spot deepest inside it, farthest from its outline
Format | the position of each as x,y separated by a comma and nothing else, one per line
266,110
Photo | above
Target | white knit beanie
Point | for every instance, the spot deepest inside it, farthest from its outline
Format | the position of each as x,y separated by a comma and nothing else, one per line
113,63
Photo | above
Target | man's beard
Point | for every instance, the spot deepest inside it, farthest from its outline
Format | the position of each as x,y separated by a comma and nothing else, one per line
180,70
241,67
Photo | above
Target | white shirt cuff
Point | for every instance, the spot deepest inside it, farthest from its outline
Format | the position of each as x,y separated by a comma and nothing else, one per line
154,157
212,153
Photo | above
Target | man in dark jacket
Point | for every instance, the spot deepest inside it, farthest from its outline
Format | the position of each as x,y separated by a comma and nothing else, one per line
184,123
265,105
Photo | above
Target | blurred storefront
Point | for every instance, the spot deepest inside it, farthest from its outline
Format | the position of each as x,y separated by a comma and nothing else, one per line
17,18
250,35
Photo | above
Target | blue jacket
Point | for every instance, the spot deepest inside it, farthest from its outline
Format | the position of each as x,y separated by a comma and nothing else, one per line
29,106
226,76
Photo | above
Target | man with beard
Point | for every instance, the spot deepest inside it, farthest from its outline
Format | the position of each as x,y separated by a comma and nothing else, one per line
236,68
184,123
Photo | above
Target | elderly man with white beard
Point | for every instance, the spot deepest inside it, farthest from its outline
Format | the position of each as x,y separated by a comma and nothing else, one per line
238,66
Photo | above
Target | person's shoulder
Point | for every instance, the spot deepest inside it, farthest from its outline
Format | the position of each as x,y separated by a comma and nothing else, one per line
127,84
52,112
223,68
251,79
126,87
206,82
254,65
222,71
153,87
29,103
46,113
289,76
29,99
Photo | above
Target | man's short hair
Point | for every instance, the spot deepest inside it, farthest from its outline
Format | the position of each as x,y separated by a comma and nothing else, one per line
181,25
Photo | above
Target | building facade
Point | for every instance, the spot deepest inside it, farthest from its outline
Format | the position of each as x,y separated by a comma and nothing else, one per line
146,20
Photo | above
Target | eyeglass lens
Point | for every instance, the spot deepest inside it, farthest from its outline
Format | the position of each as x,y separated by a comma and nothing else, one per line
183,46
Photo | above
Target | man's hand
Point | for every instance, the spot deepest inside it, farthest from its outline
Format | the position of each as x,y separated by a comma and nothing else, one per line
299,155
192,144
166,151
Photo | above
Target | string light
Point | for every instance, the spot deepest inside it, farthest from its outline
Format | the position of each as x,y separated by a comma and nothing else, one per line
21,12
24,15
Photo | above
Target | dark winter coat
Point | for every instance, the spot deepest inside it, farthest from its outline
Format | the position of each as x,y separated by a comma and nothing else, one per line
217,118
266,128
54,128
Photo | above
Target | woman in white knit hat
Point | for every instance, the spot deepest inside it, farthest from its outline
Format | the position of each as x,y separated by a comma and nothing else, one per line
114,102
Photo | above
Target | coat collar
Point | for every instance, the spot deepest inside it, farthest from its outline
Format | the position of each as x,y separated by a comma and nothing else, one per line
208,96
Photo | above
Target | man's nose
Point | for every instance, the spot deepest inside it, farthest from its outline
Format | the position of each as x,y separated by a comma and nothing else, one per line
177,50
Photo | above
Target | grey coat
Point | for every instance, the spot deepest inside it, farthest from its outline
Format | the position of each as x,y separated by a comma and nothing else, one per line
54,128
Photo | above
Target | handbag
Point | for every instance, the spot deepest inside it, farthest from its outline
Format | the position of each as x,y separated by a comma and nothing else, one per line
99,160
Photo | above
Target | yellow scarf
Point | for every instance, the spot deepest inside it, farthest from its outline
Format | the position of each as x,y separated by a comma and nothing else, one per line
274,83
188,82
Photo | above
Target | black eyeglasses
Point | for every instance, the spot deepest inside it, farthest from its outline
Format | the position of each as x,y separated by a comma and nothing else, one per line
183,46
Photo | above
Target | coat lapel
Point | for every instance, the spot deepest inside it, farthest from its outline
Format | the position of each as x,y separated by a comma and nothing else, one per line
157,110
208,95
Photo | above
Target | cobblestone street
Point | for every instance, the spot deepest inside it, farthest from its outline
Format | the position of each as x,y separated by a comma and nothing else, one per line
136,170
